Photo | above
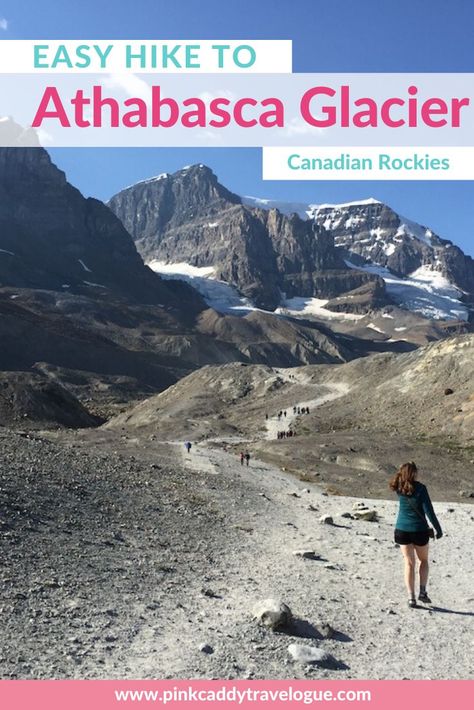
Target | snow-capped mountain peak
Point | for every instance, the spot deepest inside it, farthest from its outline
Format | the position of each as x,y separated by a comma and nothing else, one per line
190,218
422,272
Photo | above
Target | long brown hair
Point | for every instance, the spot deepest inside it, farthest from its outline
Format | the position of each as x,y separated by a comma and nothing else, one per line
404,479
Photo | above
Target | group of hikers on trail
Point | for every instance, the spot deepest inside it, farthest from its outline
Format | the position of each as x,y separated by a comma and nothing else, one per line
285,434
281,413
300,410
296,410
244,456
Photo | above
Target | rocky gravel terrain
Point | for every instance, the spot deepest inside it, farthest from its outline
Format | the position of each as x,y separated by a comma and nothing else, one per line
123,557
365,417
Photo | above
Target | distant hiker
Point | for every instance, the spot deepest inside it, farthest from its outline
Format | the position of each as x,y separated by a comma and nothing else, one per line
307,410
412,531
242,458
247,457
294,410
299,410
284,413
266,416
187,446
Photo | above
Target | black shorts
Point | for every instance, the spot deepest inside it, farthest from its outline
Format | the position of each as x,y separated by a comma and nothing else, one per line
420,538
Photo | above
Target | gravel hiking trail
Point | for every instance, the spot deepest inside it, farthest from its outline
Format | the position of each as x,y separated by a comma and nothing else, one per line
322,395
124,558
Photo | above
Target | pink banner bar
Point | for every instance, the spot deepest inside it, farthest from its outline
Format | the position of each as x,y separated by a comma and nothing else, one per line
278,694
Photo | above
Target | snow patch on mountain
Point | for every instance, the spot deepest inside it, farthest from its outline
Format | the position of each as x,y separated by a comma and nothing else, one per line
303,209
412,229
217,294
424,291
226,299
313,307
287,208
154,178
182,269
84,266
343,205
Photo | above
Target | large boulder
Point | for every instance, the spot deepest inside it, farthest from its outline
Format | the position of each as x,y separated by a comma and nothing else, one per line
273,614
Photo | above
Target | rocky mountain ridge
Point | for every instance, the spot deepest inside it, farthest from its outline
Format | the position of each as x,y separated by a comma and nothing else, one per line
189,217
78,306
51,237
272,251
374,233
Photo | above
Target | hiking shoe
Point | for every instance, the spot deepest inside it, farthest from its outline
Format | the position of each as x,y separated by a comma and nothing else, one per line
423,597
412,603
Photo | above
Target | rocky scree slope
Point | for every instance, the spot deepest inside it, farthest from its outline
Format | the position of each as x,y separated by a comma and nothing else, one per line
28,399
385,409
426,392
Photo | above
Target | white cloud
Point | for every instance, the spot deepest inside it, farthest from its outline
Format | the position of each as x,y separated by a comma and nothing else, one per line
207,96
44,137
131,84
296,126
3,24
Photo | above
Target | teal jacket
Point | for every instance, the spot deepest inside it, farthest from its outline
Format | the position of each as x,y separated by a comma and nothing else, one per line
414,510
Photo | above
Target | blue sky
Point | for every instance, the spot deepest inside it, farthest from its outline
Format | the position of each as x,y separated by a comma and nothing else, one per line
334,35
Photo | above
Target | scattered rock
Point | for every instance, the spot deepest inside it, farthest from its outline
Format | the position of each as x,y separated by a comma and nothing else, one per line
307,554
273,614
210,593
370,515
325,629
448,390
326,519
206,648
307,654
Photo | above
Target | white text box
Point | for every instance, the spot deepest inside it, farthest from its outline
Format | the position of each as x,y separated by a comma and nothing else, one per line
368,163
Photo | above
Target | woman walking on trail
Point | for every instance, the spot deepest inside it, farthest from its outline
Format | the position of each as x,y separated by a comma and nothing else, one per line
412,531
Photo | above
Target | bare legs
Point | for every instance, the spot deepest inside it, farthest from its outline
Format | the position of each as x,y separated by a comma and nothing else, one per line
422,554
408,552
